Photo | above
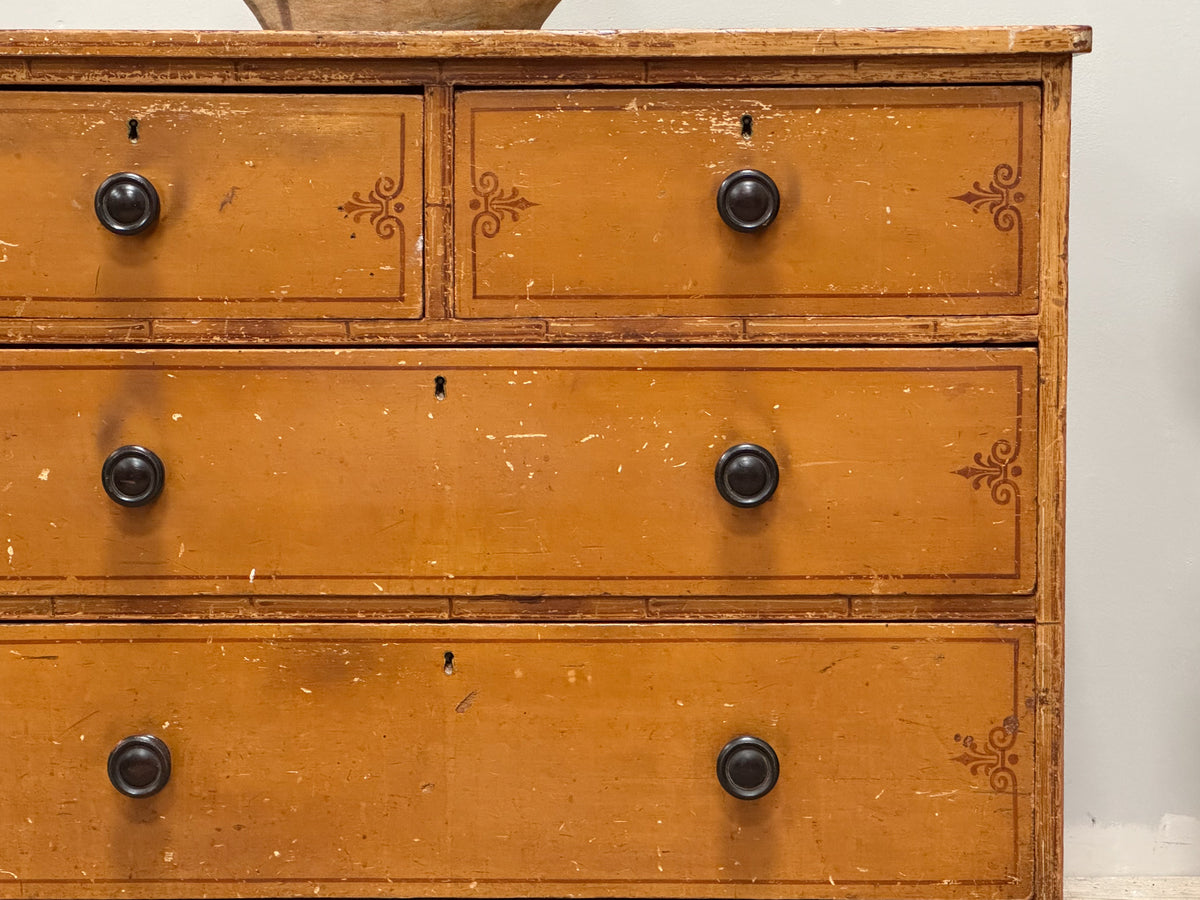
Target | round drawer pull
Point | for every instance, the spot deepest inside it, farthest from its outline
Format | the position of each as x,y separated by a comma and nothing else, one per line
139,766
747,475
133,476
748,200
747,768
126,203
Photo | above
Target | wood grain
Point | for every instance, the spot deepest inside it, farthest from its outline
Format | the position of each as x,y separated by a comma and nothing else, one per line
1052,343
535,473
439,179
346,758
1048,779
913,608
258,607
896,329
675,330
331,529
937,182
382,71
240,234
246,331
208,607
835,71
541,608
74,331
457,331
1052,513
727,43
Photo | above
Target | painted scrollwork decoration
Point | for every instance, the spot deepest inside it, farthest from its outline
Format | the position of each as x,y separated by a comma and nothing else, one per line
994,759
493,205
997,471
1000,197
380,206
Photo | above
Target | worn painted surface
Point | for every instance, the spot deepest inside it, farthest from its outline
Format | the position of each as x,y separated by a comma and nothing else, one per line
892,201
564,750
467,472
365,759
272,206
736,44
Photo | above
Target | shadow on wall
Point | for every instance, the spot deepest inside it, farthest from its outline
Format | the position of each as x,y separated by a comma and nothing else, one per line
1183,350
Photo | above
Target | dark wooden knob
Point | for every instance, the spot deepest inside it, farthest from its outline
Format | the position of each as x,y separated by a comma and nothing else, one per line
747,475
747,768
139,766
126,203
748,200
133,476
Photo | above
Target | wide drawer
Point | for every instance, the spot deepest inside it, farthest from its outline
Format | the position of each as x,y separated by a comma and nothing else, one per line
270,205
502,472
362,760
891,201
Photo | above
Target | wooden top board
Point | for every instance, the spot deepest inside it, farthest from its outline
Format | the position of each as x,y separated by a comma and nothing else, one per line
830,42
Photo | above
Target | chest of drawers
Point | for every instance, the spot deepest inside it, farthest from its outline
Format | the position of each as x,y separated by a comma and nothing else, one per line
533,464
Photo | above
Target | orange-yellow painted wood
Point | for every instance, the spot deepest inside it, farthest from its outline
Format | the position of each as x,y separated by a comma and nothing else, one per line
892,201
1052,496
272,206
920,761
345,760
315,472
250,65
677,330
735,44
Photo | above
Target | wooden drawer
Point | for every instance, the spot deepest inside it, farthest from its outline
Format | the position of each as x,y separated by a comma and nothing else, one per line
472,472
548,760
906,200
270,205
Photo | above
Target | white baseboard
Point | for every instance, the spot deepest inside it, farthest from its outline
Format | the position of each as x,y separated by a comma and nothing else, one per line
1143,859
1141,887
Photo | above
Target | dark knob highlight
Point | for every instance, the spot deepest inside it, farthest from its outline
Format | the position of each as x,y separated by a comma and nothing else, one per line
139,766
748,200
747,475
747,768
126,203
133,476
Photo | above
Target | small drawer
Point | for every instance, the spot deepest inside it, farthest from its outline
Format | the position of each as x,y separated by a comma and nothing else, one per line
889,201
248,205
388,760
470,472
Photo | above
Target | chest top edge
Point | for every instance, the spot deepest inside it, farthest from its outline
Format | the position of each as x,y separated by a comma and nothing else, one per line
434,45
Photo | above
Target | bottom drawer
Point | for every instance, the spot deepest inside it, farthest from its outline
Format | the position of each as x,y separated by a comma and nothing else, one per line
501,760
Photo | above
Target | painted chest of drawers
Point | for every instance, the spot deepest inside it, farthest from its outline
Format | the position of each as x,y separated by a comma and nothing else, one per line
533,464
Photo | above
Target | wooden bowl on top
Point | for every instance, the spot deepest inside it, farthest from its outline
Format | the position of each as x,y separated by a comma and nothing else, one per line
399,15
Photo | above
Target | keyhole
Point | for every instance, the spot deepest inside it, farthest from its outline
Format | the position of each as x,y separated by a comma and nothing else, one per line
747,126
439,387
448,665
133,131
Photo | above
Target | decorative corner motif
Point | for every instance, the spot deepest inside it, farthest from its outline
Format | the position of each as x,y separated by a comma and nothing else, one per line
1000,197
995,759
493,204
380,205
997,471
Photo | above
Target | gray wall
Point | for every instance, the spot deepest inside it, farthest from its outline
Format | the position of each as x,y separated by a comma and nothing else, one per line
1133,702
